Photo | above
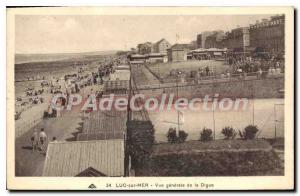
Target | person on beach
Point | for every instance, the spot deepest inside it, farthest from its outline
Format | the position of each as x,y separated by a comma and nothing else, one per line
207,70
92,93
59,104
42,139
35,140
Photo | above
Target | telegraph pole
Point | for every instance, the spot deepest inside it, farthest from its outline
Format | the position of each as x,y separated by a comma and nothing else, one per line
130,89
83,111
213,111
176,101
214,123
252,105
275,120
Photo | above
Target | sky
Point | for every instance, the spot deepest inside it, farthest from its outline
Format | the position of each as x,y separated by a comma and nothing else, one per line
89,33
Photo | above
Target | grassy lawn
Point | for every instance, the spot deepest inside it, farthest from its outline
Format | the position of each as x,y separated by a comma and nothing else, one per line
213,158
189,146
163,69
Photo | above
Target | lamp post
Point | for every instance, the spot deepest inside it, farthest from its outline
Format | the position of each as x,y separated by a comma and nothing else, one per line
214,123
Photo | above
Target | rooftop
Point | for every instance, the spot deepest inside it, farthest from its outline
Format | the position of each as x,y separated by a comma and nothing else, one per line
180,46
123,67
156,55
137,56
209,50
163,39
104,125
160,40
116,85
72,158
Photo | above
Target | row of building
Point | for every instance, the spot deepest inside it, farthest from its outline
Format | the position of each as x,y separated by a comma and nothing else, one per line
266,36
263,36
160,46
175,53
160,52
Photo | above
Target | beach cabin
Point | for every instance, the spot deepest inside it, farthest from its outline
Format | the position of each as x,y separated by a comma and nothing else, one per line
137,58
116,87
178,53
122,72
104,125
85,158
157,58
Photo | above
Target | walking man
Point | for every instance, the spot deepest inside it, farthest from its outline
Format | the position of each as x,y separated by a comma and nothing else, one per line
207,70
35,140
43,139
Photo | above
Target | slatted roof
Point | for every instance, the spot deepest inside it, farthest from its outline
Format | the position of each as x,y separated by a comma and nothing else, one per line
103,125
100,136
73,158
108,115
137,62
115,85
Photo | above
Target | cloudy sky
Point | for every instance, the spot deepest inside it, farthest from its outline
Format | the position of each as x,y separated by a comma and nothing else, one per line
64,34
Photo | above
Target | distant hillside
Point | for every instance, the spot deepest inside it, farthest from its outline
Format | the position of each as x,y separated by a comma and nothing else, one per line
27,58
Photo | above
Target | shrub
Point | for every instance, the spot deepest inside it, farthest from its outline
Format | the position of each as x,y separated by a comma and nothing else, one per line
182,135
172,135
206,135
228,132
140,141
249,132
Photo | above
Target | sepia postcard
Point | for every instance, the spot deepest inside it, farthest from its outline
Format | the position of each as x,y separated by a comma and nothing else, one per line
150,98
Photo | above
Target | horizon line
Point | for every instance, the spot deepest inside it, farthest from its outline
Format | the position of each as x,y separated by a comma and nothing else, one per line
69,52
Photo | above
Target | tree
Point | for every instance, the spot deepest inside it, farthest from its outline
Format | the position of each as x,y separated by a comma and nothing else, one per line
172,135
228,132
206,135
249,132
144,48
182,135
174,138
140,139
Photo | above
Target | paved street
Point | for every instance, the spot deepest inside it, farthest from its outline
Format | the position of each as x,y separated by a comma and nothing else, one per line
64,128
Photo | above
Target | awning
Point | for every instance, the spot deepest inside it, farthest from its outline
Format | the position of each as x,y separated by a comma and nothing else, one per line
217,53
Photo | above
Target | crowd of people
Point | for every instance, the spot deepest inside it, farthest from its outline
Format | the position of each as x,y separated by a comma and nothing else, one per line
31,97
265,66
73,83
239,67
33,78
41,88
